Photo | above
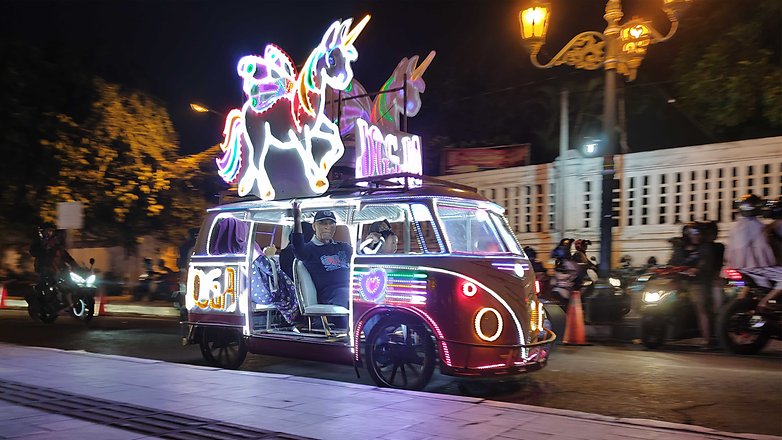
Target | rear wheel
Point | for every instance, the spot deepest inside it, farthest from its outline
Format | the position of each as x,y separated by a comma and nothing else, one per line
400,354
223,347
652,331
741,329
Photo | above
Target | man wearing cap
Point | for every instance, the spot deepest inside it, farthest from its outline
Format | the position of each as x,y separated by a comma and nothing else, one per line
327,261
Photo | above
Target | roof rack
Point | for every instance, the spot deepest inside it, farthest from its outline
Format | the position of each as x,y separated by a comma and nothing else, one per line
391,182
399,181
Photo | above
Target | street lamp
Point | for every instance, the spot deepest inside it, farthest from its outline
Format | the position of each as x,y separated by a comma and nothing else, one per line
620,48
201,109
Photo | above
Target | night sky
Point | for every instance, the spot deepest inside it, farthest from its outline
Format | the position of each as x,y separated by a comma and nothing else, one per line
186,51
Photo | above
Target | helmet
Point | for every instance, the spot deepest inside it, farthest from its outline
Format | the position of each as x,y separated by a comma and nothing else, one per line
748,205
581,245
561,252
530,253
46,229
709,229
774,208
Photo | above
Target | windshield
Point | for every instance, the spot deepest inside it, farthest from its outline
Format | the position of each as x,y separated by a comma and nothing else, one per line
474,230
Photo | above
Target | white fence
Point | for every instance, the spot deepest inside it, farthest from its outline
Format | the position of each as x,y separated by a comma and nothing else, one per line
657,192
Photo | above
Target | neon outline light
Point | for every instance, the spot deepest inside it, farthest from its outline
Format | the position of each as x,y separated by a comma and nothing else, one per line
214,287
272,86
381,155
478,326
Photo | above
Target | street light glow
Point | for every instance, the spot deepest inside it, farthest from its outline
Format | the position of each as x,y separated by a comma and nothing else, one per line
199,108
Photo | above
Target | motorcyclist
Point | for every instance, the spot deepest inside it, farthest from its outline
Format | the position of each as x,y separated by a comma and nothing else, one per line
700,259
541,274
580,256
51,258
568,275
747,242
773,275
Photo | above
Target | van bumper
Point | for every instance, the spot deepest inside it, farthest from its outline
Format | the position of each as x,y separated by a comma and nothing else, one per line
477,361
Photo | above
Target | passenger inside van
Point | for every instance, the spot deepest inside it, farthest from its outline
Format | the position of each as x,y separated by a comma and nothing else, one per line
375,241
326,260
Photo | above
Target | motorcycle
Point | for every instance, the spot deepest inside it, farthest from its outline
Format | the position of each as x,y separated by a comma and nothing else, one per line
667,312
153,285
602,302
49,297
743,328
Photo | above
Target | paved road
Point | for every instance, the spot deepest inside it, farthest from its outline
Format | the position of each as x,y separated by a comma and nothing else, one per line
680,384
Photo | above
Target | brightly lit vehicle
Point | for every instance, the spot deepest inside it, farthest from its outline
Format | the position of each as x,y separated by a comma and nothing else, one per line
458,293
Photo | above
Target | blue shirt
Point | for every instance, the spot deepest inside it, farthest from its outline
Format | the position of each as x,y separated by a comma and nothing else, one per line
327,263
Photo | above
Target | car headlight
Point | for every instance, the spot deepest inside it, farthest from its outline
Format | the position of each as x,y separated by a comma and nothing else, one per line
653,297
615,282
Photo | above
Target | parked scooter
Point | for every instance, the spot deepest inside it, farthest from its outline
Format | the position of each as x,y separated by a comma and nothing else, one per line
743,327
667,312
50,296
153,285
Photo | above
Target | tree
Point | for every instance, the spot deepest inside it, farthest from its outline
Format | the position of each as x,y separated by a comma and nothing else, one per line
729,70
118,163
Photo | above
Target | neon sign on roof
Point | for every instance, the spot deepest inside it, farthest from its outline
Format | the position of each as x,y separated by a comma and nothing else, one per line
280,144
380,154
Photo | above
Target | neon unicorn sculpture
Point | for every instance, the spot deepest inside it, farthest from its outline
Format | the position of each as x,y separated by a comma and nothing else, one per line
387,109
281,144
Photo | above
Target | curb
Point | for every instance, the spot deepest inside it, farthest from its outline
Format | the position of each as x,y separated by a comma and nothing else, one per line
107,308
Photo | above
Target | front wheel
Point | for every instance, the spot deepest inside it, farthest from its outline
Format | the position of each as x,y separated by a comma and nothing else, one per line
84,309
400,354
741,329
652,331
223,348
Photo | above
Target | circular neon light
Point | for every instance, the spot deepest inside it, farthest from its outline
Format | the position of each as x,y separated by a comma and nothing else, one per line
478,329
469,289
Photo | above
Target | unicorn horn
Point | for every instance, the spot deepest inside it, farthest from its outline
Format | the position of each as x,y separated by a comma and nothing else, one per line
419,71
353,34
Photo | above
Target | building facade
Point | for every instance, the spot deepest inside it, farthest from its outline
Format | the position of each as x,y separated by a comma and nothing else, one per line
656,193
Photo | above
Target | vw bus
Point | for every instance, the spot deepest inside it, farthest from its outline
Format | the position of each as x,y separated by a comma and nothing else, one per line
458,293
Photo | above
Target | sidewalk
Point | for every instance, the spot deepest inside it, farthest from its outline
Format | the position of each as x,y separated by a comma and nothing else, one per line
55,394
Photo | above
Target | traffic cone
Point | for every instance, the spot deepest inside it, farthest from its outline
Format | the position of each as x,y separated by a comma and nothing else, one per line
575,332
3,294
101,306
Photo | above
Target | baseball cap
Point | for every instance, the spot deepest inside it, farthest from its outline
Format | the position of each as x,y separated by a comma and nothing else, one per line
325,215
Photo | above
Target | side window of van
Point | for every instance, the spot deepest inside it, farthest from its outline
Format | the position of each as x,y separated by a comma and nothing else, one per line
228,235
413,228
422,226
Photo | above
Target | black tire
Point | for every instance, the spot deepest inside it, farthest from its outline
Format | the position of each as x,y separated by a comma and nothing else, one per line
46,315
736,333
400,354
223,347
652,331
557,318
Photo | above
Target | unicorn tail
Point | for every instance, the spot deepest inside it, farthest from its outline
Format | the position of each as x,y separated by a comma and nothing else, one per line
230,164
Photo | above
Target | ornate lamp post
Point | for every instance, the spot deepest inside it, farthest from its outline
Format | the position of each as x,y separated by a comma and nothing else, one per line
620,48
